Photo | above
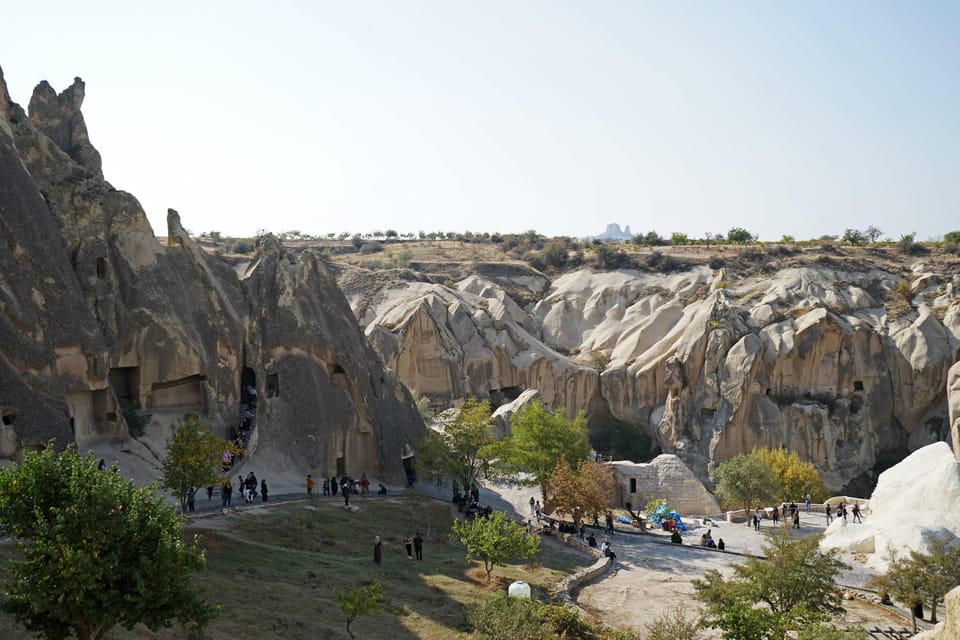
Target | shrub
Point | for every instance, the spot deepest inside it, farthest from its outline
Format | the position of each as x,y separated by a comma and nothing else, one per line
740,235
369,248
673,625
716,262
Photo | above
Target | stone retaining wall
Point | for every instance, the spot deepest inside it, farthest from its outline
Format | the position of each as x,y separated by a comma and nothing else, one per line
571,583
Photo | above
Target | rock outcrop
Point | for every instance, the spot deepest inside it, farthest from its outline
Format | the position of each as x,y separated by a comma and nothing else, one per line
844,362
97,316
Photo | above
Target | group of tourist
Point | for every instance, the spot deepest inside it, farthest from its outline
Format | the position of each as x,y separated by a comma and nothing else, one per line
346,486
412,545
855,511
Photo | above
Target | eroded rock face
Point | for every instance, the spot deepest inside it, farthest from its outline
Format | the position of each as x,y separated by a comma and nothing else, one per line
96,312
844,366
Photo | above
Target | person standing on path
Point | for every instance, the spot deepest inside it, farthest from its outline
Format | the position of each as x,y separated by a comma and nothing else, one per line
829,515
796,520
807,500
263,489
309,485
418,546
408,545
538,510
532,512
856,513
756,520
377,550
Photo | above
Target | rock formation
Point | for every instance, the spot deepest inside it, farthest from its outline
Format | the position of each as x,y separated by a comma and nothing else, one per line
843,360
912,502
97,316
667,478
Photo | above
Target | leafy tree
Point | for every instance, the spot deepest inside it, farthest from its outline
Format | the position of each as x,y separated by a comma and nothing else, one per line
952,237
588,490
939,568
193,456
853,236
678,238
792,589
555,254
538,441
363,600
903,581
99,551
746,481
495,540
795,477
740,235
873,233
461,449
787,239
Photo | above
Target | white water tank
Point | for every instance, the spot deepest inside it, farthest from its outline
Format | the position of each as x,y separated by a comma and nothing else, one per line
519,589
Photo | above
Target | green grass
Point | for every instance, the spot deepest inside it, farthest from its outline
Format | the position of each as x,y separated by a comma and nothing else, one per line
271,572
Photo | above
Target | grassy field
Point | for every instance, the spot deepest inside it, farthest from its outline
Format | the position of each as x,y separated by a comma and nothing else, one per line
271,571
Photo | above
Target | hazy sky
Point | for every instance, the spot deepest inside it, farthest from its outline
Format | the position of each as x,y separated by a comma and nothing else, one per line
799,118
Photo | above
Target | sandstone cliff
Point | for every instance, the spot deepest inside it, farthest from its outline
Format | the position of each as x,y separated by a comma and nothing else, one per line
96,313
843,358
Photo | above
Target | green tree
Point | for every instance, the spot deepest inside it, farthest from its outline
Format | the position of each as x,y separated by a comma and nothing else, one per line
795,477
746,481
853,236
873,233
903,581
460,449
537,442
740,235
792,589
952,237
193,456
679,238
587,490
495,540
939,569
99,551
363,600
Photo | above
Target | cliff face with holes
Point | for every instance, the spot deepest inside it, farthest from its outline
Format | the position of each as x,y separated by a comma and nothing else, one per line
840,356
95,315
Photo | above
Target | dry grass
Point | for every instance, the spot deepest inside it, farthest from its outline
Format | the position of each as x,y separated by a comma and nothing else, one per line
271,572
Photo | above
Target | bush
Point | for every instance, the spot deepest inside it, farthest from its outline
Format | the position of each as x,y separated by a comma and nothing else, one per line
535,260
953,237
505,618
243,247
134,416
369,248
740,235
673,625
716,262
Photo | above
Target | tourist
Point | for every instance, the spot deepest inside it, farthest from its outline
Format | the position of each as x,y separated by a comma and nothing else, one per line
775,516
592,541
309,485
408,545
537,510
756,519
418,546
383,490
532,512
364,485
333,485
829,515
796,520
326,486
263,490
608,518
807,500
721,545
608,551
856,513
583,531
210,492
377,550
191,495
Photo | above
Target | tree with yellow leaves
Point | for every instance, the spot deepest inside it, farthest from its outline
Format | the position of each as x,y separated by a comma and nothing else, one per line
193,457
796,477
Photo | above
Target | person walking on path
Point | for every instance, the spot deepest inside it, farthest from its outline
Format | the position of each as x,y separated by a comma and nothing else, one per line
807,501
775,516
856,513
408,545
532,512
608,519
418,546
756,520
796,520
829,512
345,490
538,510
191,497
377,550
263,489
309,485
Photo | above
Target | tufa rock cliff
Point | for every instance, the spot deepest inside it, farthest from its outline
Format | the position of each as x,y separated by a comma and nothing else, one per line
96,316
843,358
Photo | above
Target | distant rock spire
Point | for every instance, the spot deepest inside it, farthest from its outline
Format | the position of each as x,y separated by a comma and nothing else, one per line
59,118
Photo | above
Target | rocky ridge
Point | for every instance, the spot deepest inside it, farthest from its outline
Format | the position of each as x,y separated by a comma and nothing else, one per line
97,316
841,357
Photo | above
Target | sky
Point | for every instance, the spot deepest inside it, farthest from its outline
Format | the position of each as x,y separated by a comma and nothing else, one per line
784,118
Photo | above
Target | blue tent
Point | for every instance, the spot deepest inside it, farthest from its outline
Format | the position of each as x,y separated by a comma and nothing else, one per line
661,514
